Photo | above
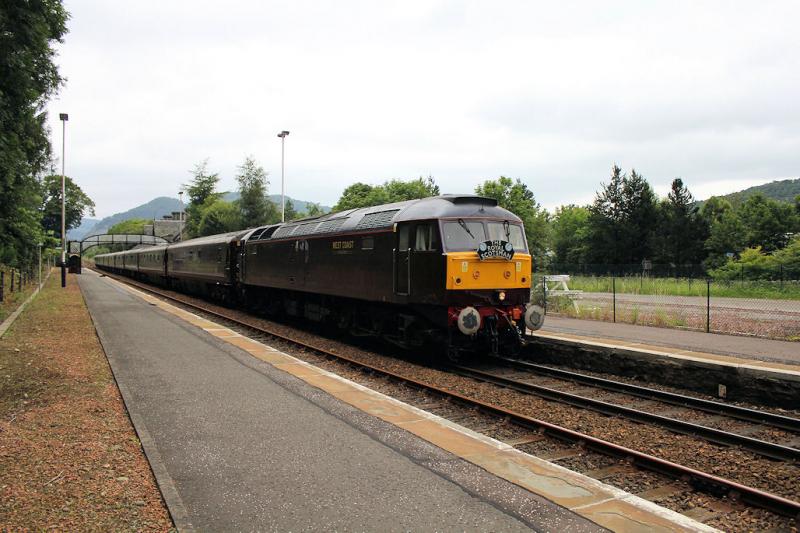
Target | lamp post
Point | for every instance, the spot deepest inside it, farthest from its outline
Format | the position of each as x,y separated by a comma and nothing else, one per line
64,118
283,135
183,216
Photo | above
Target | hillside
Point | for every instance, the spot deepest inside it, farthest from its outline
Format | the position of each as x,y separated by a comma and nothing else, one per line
157,208
83,230
783,190
299,205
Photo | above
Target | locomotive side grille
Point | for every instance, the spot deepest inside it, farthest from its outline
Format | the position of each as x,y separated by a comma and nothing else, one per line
377,220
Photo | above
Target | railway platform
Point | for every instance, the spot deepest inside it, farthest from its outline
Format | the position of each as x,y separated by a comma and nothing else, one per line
746,368
241,436
784,354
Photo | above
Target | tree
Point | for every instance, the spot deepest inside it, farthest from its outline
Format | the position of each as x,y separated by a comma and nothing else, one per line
290,213
767,223
640,218
314,210
682,230
622,220
606,220
726,236
77,204
28,78
202,195
401,191
360,195
132,226
789,259
713,209
569,230
365,195
517,198
218,216
255,207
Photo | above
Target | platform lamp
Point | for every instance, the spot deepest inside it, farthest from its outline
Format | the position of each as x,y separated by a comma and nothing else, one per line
283,135
64,118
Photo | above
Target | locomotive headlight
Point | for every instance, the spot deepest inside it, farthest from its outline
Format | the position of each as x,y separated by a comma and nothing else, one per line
501,295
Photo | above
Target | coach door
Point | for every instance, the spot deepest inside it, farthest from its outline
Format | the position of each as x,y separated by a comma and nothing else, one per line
402,259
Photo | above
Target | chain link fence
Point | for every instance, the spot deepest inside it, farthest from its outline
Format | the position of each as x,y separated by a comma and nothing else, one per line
756,301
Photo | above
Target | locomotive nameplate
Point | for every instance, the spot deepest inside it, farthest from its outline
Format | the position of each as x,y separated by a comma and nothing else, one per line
343,245
491,249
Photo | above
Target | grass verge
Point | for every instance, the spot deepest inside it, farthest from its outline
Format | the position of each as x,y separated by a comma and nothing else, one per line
13,298
787,290
69,457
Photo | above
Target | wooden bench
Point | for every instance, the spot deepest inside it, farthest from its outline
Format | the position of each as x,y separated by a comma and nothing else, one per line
556,285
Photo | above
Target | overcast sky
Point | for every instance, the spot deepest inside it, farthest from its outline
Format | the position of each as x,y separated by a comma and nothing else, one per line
552,93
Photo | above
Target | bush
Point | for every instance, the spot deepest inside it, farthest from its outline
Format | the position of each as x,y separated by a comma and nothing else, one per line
754,264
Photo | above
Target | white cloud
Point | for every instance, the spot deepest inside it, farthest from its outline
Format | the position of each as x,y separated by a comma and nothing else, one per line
550,93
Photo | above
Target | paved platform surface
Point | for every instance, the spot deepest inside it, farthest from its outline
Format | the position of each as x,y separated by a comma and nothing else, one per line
750,348
237,444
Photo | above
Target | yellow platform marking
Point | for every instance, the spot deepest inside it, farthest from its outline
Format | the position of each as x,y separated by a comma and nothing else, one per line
603,504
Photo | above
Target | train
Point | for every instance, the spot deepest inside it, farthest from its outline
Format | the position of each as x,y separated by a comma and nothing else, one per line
451,271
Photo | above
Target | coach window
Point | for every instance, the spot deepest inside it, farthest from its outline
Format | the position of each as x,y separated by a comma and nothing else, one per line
427,238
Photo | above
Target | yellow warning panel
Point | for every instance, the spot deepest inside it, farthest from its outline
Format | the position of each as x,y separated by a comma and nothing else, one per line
466,272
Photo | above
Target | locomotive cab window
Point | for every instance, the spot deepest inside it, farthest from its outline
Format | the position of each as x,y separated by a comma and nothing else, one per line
404,237
500,231
368,243
426,238
462,236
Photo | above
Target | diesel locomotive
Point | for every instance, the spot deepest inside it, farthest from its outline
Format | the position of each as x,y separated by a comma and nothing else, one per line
451,270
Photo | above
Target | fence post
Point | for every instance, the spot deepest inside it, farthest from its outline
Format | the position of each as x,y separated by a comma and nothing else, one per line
614,298
2,284
544,294
708,305
12,280
781,276
19,281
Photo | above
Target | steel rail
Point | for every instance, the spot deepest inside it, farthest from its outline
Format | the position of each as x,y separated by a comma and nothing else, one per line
734,411
702,481
718,436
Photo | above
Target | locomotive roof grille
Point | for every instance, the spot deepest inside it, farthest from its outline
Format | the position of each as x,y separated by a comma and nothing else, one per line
380,219
283,231
330,225
305,229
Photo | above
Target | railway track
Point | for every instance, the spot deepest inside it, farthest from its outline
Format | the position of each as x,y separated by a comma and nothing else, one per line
681,400
758,446
701,481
